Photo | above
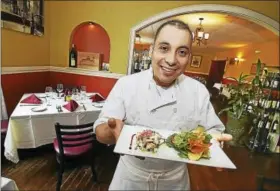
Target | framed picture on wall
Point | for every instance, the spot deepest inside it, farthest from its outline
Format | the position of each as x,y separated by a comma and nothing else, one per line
254,68
26,16
196,61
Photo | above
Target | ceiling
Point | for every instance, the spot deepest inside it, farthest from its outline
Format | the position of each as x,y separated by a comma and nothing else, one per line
226,31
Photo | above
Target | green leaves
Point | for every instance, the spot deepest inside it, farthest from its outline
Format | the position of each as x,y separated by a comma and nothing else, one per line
207,139
243,92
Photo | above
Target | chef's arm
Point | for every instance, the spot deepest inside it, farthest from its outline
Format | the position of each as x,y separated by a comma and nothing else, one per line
104,134
209,118
113,108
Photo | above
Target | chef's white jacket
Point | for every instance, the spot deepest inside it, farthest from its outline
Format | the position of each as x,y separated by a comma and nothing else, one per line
137,100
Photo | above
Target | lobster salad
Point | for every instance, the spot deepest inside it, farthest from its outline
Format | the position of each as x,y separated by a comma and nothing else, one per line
149,140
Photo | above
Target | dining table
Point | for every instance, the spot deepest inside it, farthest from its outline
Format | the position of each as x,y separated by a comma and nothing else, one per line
33,125
8,184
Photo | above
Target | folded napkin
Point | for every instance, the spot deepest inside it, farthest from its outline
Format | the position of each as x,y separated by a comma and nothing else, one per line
32,99
72,105
96,98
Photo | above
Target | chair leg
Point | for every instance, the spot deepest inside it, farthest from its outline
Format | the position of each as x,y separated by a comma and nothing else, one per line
60,175
260,183
94,173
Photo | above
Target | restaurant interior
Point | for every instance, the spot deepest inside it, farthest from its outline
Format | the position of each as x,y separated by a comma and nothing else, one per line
61,59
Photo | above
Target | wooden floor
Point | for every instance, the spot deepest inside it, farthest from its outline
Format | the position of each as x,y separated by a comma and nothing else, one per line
37,171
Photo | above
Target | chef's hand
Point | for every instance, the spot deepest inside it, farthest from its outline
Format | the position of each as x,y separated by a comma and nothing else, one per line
224,137
221,138
115,126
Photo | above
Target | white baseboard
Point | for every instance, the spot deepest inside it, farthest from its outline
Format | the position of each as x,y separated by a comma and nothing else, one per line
87,72
78,71
26,69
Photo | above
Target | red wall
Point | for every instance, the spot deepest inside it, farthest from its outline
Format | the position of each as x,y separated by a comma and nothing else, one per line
15,85
93,83
91,38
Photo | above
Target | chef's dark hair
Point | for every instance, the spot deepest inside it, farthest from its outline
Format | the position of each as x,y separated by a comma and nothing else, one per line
177,23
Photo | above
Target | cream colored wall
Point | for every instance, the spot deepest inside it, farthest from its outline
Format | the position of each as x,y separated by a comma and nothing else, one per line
118,18
269,54
20,49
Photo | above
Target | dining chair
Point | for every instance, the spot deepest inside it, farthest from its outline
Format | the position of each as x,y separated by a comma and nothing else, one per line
4,123
4,128
74,141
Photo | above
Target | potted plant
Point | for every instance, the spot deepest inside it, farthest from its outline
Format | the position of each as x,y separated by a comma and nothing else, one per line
240,106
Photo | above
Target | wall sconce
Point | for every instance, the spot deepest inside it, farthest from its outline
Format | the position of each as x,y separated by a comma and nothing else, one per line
235,60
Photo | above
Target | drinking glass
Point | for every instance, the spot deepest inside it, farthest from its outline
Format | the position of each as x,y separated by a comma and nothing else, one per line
82,93
59,88
48,92
75,92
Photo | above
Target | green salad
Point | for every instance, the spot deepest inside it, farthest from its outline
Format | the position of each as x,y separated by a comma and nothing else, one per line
192,145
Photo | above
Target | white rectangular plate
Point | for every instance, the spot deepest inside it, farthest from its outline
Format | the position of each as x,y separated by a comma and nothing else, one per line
218,157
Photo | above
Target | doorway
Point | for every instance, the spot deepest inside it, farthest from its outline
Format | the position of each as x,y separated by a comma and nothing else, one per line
216,73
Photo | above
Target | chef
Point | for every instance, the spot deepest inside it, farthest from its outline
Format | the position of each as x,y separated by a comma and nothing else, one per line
160,98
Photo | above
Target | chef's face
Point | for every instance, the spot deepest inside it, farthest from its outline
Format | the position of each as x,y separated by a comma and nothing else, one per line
171,54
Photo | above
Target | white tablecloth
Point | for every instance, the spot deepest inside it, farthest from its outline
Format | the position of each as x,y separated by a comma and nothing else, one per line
8,184
28,129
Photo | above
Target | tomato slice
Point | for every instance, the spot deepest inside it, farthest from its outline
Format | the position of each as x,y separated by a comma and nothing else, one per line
196,149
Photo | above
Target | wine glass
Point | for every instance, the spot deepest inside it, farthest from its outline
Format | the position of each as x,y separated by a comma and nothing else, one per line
48,92
75,92
83,92
59,88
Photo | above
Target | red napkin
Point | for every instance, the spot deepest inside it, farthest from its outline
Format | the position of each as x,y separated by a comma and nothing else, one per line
96,98
32,99
71,105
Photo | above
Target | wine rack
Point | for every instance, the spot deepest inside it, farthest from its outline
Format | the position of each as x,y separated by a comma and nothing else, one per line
264,134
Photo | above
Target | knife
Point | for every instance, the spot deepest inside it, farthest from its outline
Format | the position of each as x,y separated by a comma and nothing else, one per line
84,107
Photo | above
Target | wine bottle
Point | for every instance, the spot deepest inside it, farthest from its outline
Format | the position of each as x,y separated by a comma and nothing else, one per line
272,80
267,103
274,104
267,81
32,25
265,135
278,105
256,141
275,123
253,130
276,81
137,65
73,57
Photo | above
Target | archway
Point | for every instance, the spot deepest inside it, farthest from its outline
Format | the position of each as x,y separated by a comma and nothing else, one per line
244,13
91,37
